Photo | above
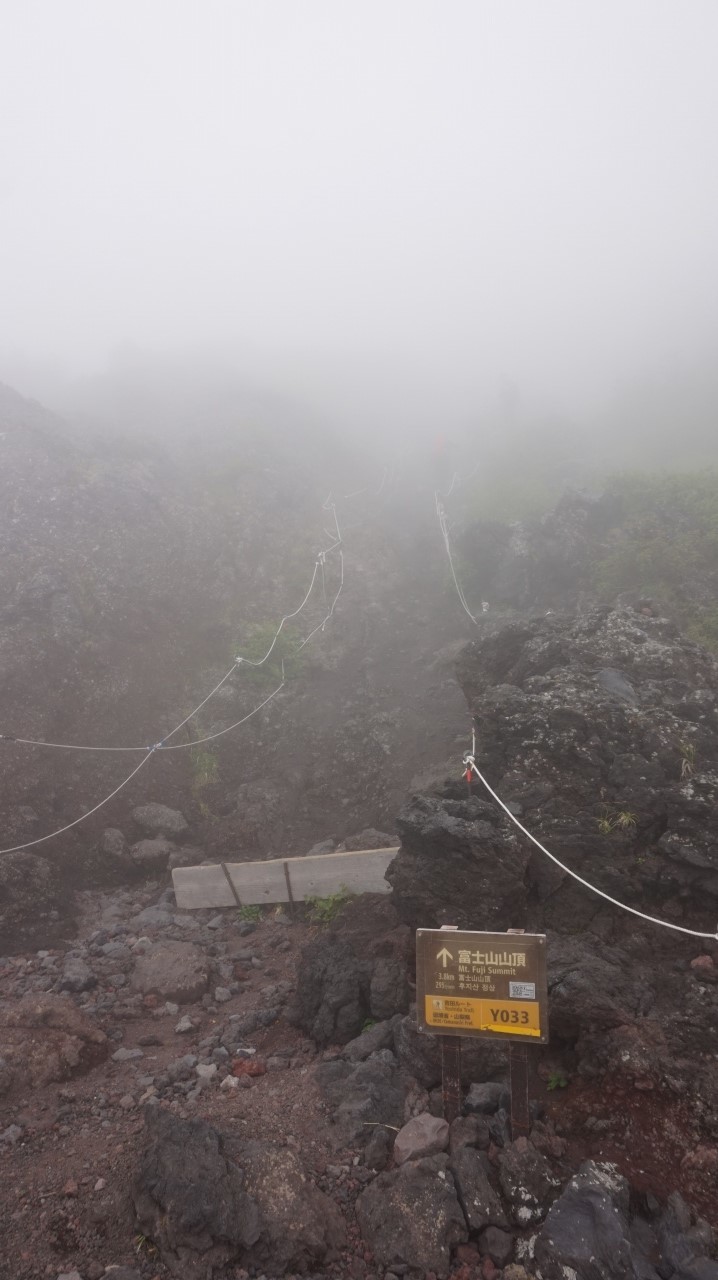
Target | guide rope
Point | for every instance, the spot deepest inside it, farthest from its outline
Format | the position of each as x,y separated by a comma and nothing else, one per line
41,839
470,764
444,526
161,745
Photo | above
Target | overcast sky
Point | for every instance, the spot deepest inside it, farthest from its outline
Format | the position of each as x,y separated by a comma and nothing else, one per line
433,199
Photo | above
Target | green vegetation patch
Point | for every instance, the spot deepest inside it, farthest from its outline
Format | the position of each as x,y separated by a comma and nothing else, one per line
324,910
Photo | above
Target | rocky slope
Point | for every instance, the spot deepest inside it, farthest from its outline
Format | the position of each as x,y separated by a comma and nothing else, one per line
163,1112
199,1094
129,584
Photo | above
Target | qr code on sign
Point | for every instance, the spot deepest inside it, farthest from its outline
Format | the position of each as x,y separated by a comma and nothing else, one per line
522,990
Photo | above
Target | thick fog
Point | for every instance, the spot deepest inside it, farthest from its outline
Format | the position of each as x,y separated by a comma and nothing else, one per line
401,215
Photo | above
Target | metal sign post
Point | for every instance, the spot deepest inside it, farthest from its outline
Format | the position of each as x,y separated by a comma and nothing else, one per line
487,985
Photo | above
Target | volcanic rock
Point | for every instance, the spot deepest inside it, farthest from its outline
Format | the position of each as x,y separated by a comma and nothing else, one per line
46,1037
411,1217
160,820
175,971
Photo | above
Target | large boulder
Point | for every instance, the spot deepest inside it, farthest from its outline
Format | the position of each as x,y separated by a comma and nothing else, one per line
190,1199
46,1038
600,733
364,1096
527,1182
586,1233
332,999
176,971
353,971
152,855
160,820
455,866
207,1201
412,1217
303,1228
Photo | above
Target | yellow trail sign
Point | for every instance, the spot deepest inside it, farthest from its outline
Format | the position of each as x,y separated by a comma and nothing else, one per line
482,984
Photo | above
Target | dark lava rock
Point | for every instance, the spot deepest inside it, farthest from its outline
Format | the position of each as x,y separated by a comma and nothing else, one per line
208,1200
30,888
496,1244
481,1205
485,1098
332,992
380,1036
586,1232
469,1131
378,1150
605,784
683,1242
455,867
354,970
527,1182
364,1096
190,1199
302,1228
412,1216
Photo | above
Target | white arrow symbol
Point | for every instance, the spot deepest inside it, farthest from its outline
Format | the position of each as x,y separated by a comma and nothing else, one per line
445,956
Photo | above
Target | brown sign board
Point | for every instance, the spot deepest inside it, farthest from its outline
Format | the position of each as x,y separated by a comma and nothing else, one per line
491,985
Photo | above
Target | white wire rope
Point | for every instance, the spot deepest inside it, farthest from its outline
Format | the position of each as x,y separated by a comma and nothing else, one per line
178,746
330,614
665,924
51,835
72,746
161,746
444,526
